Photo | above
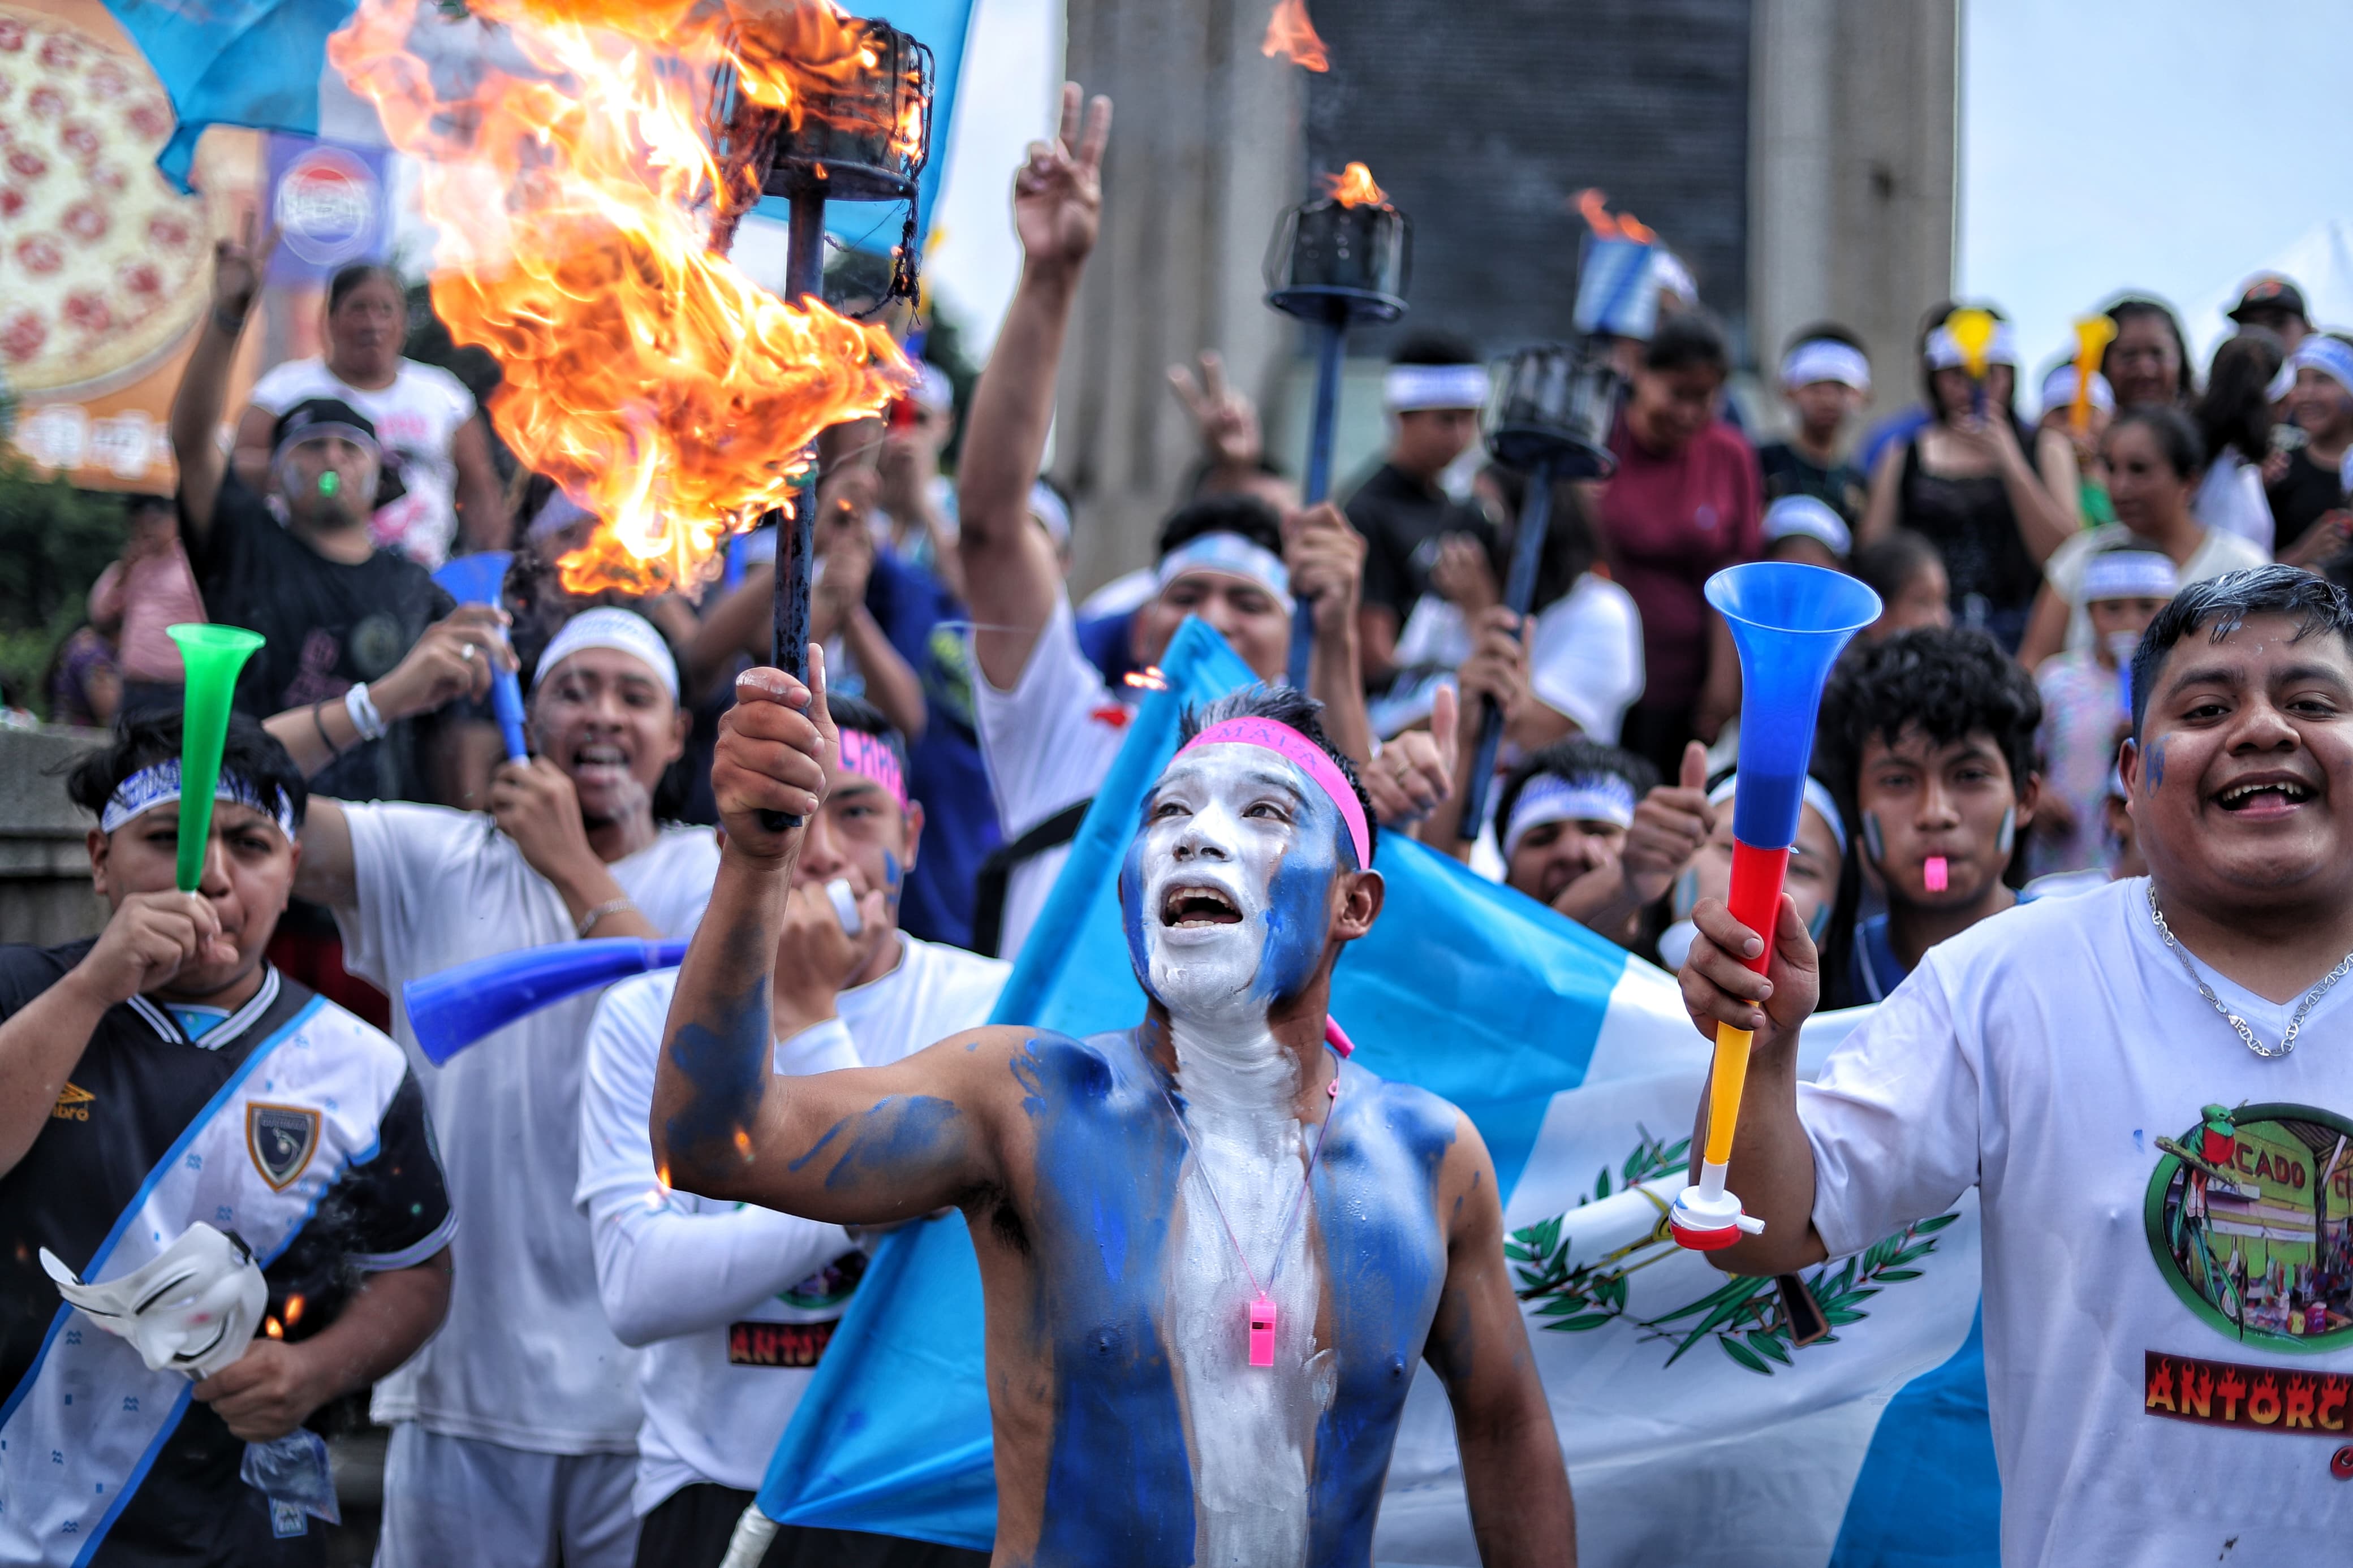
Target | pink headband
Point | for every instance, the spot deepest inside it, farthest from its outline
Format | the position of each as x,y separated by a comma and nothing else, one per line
869,757
1305,755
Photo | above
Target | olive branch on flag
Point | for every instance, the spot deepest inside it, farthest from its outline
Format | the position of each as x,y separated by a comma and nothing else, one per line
1744,1317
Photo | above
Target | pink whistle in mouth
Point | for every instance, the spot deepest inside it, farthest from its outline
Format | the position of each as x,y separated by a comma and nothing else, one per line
1261,1331
1935,873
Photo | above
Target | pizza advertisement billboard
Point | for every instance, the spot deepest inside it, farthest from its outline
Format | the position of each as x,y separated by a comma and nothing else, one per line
105,270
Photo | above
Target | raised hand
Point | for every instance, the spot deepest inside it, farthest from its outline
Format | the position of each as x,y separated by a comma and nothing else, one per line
777,747
1325,558
454,659
1058,194
1669,828
151,938
1225,421
237,266
1414,774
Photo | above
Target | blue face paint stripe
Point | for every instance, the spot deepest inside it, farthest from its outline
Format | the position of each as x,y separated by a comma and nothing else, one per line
2154,774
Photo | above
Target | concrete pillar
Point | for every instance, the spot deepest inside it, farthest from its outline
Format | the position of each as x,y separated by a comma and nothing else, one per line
1205,154
44,892
1852,175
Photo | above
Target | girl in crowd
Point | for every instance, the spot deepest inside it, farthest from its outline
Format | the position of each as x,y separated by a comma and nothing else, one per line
2148,359
2156,463
2234,421
1683,504
2320,401
424,416
1908,575
1965,482
2070,465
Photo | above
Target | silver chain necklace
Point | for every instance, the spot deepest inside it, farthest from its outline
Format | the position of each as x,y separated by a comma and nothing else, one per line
2295,1024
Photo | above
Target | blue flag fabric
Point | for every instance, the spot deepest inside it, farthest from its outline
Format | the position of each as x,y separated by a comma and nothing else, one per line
234,62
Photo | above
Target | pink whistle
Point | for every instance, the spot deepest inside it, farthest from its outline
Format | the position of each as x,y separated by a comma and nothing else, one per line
1935,873
1261,1331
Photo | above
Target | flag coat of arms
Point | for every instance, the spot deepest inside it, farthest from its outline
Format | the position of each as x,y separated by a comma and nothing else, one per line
1696,1431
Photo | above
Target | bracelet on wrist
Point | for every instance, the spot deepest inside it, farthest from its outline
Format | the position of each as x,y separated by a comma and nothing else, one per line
595,912
365,717
229,321
319,722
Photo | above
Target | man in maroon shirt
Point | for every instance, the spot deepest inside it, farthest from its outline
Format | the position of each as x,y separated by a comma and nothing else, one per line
1683,504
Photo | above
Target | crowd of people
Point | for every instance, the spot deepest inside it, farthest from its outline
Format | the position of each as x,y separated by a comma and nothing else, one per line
581,1361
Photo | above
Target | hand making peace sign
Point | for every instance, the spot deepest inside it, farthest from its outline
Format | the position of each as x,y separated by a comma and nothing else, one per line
1058,194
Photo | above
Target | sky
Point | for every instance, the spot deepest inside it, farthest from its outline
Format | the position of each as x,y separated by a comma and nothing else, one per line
2167,146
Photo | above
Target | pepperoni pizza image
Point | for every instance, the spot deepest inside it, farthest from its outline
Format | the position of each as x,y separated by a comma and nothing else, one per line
103,267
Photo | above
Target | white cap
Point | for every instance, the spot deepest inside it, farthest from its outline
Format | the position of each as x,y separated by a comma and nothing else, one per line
625,631
2059,391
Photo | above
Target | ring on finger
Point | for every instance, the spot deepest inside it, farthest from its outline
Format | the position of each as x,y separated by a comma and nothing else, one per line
466,652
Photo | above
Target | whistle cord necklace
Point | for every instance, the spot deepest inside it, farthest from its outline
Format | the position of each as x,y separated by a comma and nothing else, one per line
1261,1321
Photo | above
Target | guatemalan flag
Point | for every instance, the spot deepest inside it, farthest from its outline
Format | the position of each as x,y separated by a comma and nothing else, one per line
264,63
1695,1432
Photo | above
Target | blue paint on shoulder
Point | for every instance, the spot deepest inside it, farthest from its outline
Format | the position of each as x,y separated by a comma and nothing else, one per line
901,1131
819,1146
1119,1482
1385,1262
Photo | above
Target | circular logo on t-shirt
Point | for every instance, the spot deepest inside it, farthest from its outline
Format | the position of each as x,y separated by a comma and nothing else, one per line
2250,1216
325,207
377,645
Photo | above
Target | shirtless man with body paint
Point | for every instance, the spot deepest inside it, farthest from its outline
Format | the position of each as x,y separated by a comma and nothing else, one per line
1132,1194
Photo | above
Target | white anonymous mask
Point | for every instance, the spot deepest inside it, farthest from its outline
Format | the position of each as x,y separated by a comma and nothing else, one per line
191,1308
1226,884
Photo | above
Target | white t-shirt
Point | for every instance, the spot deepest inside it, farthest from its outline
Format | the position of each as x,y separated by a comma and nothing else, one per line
1048,744
525,1358
2230,499
2216,553
1584,655
416,419
2048,1057
681,1274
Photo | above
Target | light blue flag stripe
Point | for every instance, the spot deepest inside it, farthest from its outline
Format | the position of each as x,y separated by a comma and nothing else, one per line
1930,1462
233,62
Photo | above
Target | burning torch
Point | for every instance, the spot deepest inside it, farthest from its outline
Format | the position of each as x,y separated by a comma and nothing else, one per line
861,133
1337,260
1790,623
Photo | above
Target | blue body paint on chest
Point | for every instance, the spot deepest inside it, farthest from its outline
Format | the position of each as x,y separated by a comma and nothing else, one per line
1385,1268
1119,1484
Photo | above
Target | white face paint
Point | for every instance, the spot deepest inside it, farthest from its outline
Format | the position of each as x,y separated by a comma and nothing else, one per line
1227,888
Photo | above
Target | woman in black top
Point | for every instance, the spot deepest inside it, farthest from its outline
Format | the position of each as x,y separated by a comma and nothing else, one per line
1966,483
2321,404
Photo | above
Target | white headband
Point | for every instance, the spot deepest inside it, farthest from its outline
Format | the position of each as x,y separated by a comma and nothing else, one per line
1050,511
1815,794
1826,359
622,631
1410,387
558,512
1805,516
1548,797
1944,351
2327,355
2059,389
2129,575
159,784
1229,555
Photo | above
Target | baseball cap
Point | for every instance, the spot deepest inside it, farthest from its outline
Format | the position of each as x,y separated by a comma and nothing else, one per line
316,416
323,416
2270,292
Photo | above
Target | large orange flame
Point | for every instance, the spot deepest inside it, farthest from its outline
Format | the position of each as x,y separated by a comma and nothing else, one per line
568,168
1353,187
1592,204
1291,36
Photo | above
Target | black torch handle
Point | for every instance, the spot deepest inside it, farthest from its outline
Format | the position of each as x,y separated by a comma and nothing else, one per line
804,279
1519,591
1330,346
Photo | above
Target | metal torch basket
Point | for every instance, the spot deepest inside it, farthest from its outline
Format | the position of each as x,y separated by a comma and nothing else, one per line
865,138
1335,263
1553,404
